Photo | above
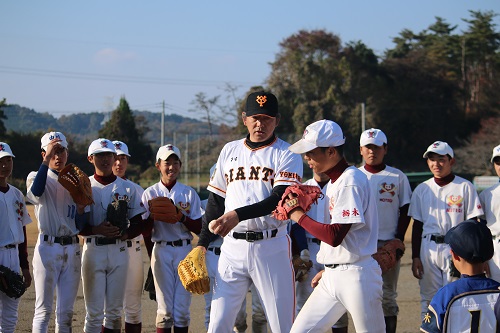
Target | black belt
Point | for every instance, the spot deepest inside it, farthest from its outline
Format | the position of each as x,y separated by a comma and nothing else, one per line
9,246
315,240
439,239
130,243
215,250
252,236
332,266
63,240
179,242
103,241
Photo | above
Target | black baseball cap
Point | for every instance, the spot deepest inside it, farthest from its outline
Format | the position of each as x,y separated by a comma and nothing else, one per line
471,240
261,102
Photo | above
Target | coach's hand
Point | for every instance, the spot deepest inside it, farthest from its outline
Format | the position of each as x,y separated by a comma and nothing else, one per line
224,224
27,277
417,268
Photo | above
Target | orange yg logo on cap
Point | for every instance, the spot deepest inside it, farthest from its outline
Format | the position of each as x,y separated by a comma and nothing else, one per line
261,100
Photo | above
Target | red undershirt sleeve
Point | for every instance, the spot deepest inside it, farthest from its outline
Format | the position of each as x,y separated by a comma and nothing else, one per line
332,234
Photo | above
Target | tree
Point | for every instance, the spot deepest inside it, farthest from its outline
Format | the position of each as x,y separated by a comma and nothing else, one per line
122,126
208,106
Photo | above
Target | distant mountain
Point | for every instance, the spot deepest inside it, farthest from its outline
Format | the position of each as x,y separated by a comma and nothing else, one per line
84,127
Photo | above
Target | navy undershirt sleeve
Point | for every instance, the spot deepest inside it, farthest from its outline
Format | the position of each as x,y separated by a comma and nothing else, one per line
38,186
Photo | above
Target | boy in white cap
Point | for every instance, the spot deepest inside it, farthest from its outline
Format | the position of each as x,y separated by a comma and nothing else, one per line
13,242
490,200
437,205
132,306
392,193
172,241
57,255
471,246
105,259
351,280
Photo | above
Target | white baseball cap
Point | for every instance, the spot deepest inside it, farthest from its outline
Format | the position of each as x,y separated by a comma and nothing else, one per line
496,152
165,151
48,137
372,136
322,133
101,145
440,148
5,150
121,148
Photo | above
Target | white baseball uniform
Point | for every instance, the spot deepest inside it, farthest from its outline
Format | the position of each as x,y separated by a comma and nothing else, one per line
172,242
439,209
12,220
132,306
57,255
391,190
105,260
245,176
352,278
490,201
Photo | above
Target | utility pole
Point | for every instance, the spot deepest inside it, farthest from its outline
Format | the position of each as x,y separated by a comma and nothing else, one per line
363,116
162,124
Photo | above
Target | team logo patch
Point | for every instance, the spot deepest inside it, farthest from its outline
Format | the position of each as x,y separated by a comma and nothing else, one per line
387,188
185,206
435,145
261,100
305,134
454,200
118,145
2,148
371,134
350,212
104,143
169,147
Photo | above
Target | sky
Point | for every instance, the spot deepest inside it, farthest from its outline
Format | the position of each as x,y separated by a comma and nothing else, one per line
64,57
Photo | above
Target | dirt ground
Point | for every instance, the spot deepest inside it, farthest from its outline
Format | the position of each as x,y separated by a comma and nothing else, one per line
408,299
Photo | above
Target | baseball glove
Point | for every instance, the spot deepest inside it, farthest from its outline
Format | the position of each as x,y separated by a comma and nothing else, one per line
116,214
301,266
73,179
388,255
163,209
11,282
193,272
297,195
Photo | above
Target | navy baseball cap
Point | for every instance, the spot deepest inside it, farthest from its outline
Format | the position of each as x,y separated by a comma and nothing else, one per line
261,102
471,240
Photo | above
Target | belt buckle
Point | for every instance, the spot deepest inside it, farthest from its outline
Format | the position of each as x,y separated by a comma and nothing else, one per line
66,240
252,238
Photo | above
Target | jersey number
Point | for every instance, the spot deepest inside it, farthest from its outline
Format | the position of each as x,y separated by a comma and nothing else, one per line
71,211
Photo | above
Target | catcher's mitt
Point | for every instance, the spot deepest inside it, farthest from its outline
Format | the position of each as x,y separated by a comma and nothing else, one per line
301,265
388,255
163,209
73,179
116,214
297,195
193,272
11,282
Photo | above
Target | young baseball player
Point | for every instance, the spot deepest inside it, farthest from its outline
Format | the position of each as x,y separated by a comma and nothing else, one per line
471,246
318,212
490,201
250,177
105,255
57,254
351,280
392,193
13,242
437,205
135,274
172,241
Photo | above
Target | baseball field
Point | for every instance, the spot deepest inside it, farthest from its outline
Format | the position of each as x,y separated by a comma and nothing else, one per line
408,299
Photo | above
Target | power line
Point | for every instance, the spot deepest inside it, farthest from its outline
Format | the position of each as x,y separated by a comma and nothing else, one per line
110,77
